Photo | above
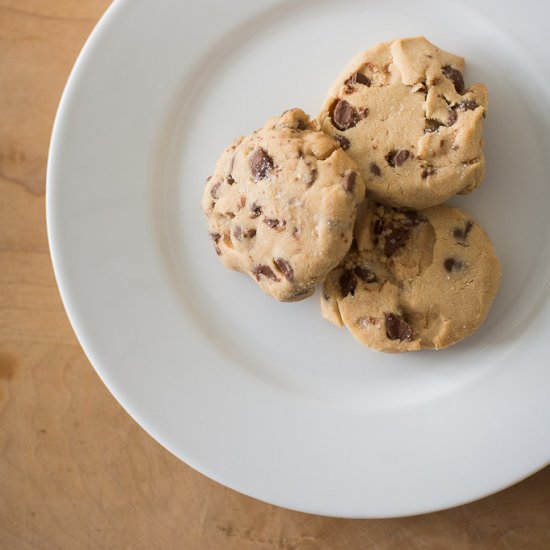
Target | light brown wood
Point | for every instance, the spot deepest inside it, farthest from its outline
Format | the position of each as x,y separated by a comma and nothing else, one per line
75,471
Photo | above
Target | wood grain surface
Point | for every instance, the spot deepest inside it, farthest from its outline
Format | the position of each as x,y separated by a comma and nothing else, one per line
75,471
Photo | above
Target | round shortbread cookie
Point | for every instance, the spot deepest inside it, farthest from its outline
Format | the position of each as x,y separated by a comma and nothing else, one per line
413,279
281,205
403,114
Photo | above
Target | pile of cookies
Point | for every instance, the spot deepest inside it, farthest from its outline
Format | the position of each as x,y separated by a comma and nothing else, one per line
353,199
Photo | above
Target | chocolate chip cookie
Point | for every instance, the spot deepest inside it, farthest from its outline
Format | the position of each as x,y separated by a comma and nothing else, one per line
413,279
402,111
281,205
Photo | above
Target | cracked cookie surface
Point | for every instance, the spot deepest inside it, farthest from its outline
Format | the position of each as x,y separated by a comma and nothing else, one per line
413,279
402,112
281,205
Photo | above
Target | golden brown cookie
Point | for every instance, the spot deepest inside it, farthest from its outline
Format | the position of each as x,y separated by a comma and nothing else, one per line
413,279
281,205
402,112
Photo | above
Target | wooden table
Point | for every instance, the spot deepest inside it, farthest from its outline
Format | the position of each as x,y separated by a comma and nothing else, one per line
77,472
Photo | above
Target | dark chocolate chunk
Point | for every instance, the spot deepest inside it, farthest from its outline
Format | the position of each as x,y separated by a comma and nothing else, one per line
265,271
358,78
468,105
343,142
452,117
312,176
344,115
301,125
374,169
378,227
450,264
397,158
261,164
395,240
462,234
456,76
398,329
366,274
348,283
272,222
348,182
427,171
256,210
249,234
432,125
286,269
413,216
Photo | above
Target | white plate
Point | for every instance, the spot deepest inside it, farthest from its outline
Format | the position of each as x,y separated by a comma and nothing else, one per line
268,398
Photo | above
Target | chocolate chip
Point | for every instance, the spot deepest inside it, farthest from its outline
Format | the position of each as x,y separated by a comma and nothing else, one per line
214,190
230,180
348,183
285,268
348,283
456,76
312,176
374,169
271,222
462,234
427,171
366,274
358,78
301,125
450,264
398,329
378,227
261,164
413,215
216,237
344,115
397,158
256,210
250,233
452,117
343,142
238,232
432,125
468,105
300,154
265,271
395,240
